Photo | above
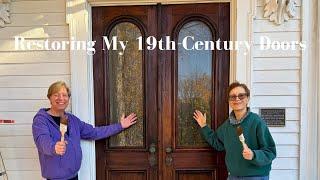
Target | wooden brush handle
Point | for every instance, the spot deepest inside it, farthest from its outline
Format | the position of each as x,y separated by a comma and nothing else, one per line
62,136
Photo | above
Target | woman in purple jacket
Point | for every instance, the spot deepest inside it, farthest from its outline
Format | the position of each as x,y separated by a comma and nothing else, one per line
61,160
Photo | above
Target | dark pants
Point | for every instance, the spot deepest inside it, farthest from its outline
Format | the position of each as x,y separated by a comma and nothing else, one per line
74,178
248,177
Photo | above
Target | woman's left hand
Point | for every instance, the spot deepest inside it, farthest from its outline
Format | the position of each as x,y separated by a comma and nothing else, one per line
247,154
128,121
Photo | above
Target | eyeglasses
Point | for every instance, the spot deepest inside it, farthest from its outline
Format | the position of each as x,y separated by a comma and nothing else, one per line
241,96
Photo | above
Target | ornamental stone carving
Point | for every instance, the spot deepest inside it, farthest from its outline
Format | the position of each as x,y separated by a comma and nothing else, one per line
4,12
279,11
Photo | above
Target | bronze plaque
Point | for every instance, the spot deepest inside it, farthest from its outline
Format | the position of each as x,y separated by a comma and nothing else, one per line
273,116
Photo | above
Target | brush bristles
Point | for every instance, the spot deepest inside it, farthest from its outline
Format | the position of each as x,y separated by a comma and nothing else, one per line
64,120
239,130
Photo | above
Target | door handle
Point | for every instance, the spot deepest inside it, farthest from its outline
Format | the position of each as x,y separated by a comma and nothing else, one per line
169,158
152,156
168,150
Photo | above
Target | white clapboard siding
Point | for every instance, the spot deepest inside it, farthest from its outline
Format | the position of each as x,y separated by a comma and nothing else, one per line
25,77
16,130
22,164
38,6
23,118
54,44
34,32
32,81
260,13
276,84
35,69
262,25
281,63
286,138
24,57
23,105
276,76
19,153
290,126
27,175
262,2
262,38
37,19
276,101
285,163
267,51
23,93
287,151
291,174
292,114
275,88
17,142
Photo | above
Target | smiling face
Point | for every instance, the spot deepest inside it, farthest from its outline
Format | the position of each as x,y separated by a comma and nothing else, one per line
238,99
58,95
59,100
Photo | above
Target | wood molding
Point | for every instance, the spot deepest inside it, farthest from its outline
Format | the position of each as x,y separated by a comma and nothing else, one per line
147,2
78,16
4,12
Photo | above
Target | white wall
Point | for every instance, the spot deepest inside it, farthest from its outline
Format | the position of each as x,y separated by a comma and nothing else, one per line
25,77
276,83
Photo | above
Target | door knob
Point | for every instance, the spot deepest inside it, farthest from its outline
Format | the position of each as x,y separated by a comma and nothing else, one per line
152,148
168,150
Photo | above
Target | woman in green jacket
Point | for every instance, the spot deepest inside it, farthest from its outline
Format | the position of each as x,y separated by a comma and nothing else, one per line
252,159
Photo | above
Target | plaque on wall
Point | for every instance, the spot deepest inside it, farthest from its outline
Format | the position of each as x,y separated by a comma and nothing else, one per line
273,116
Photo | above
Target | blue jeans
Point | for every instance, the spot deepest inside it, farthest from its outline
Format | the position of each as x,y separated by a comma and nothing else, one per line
248,177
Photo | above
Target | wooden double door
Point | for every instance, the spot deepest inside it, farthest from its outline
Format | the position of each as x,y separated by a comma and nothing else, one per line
154,61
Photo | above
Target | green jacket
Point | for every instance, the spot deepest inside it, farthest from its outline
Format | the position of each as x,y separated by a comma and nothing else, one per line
258,139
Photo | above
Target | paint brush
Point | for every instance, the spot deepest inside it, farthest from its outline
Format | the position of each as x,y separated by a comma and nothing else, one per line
241,137
63,126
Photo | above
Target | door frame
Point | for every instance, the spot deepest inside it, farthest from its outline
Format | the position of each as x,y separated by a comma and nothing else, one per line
78,17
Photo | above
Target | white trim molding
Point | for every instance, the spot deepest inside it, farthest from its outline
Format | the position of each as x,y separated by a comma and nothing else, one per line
4,12
79,19
318,89
309,138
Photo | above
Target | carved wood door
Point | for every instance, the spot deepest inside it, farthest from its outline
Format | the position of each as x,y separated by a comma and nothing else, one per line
163,87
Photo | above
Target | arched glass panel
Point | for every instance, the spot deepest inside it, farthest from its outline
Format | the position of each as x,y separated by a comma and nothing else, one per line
194,84
126,91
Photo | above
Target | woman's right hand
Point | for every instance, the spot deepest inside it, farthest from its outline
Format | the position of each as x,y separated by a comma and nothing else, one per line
60,147
200,118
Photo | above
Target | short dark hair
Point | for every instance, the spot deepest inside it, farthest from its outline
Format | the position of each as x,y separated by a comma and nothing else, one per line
237,84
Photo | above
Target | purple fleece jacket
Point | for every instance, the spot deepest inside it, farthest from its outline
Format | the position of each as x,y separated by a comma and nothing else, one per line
46,133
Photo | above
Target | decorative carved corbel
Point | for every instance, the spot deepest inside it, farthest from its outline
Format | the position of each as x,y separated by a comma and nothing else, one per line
4,12
279,11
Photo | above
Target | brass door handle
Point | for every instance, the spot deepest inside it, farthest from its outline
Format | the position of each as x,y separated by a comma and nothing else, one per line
168,150
152,148
152,156
169,158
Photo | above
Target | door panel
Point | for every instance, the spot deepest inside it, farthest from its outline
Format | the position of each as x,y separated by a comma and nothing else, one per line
163,88
126,93
195,175
125,82
201,84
